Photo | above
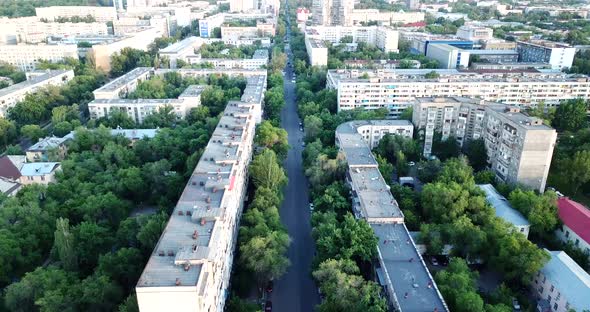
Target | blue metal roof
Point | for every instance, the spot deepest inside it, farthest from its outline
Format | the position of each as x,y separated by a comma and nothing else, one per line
502,207
571,280
38,168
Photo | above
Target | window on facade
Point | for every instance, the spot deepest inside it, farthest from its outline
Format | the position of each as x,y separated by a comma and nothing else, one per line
567,234
555,307
549,298
552,288
577,242
42,178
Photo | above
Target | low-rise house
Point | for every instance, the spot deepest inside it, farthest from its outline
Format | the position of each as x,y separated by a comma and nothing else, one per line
576,223
48,147
39,172
562,285
504,210
9,187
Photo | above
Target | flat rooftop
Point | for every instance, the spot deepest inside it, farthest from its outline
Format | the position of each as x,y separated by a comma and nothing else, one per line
397,248
180,45
492,52
502,206
33,81
354,147
192,91
373,193
316,44
141,102
200,206
260,54
453,75
124,80
254,91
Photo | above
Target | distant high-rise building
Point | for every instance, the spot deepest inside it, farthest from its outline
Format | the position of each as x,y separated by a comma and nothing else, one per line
331,12
413,4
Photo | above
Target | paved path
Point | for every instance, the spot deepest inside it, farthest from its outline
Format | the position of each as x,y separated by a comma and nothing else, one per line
296,290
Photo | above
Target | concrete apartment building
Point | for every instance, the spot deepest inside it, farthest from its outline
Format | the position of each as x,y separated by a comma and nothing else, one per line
358,17
112,95
519,147
475,33
504,210
139,109
561,285
100,14
27,56
317,52
15,93
396,89
258,60
401,271
343,13
181,50
559,55
141,40
383,37
166,23
448,57
576,223
32,30
209,23
494,56
190,267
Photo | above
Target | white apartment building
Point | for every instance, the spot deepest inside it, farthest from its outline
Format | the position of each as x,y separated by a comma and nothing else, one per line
385,38
401,267
559,55
242,5
357,17
139,109
316,51
122,86
32,30
475,33
27,56
396,89
165,22
100,14
13,94
182,49
258,60
576,223
519,147
141,40
182,16
561,285
448,57
209,23
190,267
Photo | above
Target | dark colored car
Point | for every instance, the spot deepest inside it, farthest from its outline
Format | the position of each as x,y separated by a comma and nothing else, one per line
269,287
268,306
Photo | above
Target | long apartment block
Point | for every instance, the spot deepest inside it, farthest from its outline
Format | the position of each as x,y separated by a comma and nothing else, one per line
402,272
11,95
112,96
396,89
187,51
519,147
189,269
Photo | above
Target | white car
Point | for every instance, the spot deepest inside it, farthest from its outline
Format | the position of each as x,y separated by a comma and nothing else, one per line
411,163
311,207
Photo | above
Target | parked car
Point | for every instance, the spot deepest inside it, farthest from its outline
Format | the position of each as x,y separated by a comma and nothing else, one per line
269,287
302,144
311,207
411,163
515,304
433,260
268,306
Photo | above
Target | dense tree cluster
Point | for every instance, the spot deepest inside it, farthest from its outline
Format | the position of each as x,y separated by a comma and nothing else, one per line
11,73
84,228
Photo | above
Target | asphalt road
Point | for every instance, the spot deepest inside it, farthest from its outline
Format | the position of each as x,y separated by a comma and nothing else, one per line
295,291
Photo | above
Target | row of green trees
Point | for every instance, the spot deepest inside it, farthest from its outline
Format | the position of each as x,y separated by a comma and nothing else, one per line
345,246
263,240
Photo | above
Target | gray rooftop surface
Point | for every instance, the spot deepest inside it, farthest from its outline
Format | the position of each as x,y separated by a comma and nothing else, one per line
260,54
31,82
569,278
200,203
412,277
192,91
180,45
124,80
502,207
47,143
373,192
354,147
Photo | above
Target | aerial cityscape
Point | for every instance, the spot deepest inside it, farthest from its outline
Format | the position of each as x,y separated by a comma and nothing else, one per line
295,155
